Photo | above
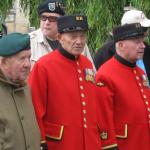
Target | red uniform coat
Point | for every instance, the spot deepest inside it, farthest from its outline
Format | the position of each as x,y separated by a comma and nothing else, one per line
64,99
128,104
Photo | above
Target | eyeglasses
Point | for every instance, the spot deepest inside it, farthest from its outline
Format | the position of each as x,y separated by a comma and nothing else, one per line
50,18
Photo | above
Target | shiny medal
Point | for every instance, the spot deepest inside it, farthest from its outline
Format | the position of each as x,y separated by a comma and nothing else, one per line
90,75
145,80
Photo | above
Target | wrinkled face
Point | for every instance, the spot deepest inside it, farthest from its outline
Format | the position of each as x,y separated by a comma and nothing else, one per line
48,24
17,67
132,49
73,42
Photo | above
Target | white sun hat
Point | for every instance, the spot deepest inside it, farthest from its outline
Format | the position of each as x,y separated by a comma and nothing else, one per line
135,16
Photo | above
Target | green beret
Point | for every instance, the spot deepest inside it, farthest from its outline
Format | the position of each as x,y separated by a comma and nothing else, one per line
13,43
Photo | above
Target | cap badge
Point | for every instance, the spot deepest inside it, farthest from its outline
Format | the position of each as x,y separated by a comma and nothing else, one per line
137,25
79,18
51,6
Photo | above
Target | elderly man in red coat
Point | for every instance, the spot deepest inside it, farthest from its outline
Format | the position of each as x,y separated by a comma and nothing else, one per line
126,88
64,92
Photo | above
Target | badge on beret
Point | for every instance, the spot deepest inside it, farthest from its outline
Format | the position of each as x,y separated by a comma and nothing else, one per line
90,75
51,6
145,80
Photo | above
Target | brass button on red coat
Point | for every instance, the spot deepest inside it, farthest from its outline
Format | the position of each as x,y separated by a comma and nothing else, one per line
84,111
81,87
83,103
79,71
84,119
134,71
80,78
146,102
140,84
82,95
85,125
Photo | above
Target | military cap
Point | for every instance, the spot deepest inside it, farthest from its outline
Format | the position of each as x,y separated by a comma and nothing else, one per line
72,23
127,31
52,6
13,43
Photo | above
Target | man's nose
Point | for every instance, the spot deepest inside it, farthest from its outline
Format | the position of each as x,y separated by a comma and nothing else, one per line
27,63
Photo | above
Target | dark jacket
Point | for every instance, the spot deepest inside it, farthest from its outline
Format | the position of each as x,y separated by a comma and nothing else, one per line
104,53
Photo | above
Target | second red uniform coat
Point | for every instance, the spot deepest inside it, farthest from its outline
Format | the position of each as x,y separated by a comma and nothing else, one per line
128,103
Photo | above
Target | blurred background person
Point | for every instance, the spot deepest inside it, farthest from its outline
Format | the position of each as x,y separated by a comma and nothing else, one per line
44,40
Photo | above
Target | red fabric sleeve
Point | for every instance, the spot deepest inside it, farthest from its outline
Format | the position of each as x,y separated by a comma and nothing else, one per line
37,82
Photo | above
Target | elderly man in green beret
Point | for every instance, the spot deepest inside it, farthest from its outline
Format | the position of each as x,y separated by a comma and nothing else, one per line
18,126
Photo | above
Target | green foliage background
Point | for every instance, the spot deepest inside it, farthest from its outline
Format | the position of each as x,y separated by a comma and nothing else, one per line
5,6
103,15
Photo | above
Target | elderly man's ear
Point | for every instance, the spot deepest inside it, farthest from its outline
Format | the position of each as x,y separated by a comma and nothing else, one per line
58,36
3,62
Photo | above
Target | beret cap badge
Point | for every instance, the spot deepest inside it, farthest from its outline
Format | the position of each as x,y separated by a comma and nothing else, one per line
51,6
